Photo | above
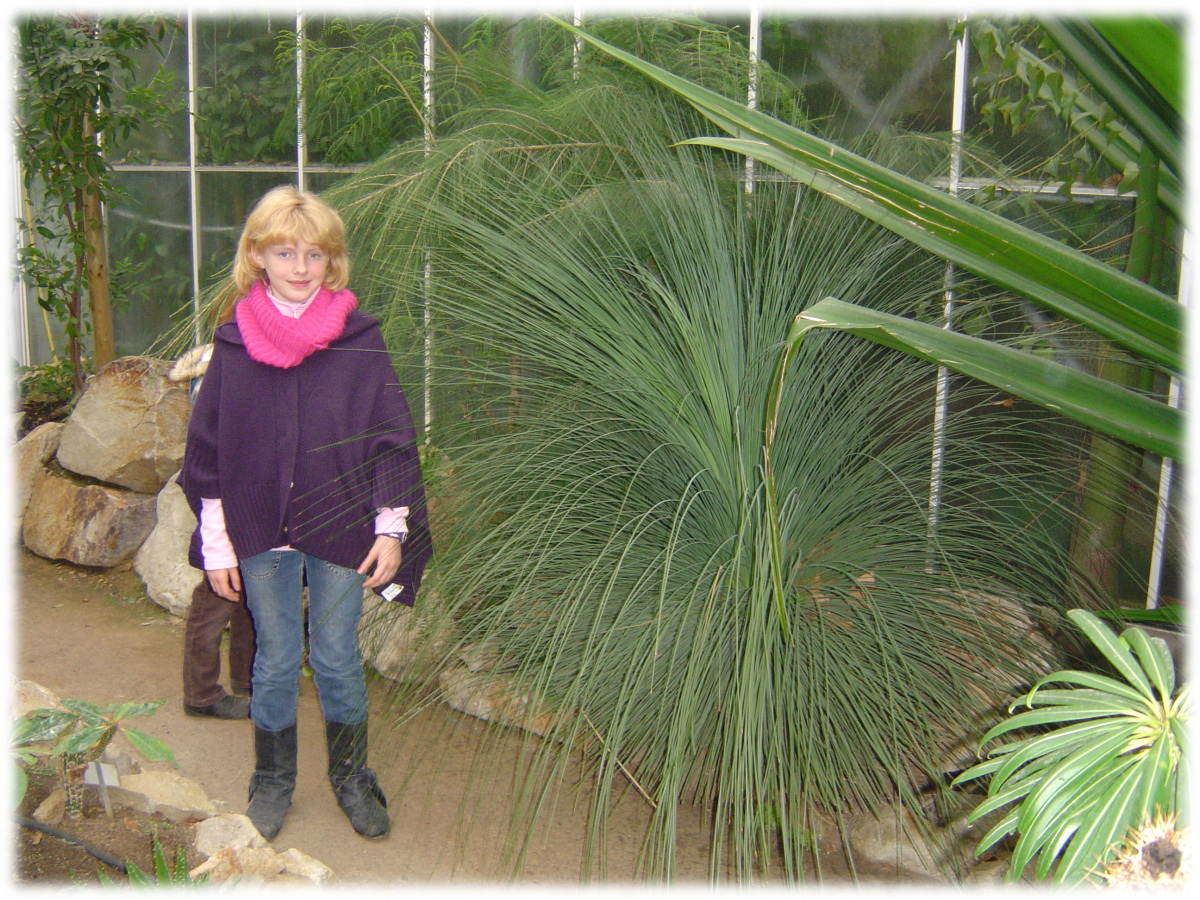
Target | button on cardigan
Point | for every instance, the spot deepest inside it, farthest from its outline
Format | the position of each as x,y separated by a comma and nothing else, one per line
306,456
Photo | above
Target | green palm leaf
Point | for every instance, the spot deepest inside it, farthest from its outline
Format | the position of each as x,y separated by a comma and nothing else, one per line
1084,698
1115,650
1154,658
1093,401
1102,683
1107,822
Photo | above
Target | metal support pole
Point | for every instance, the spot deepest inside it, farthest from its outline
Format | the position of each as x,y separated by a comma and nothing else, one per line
301,108
942,395
428,111
577,43
193,174
1167,467
752,80
22,351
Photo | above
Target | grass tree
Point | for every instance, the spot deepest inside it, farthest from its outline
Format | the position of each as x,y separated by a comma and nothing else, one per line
776,637
1129,107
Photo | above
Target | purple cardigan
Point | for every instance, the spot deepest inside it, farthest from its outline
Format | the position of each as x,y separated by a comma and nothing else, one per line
305,456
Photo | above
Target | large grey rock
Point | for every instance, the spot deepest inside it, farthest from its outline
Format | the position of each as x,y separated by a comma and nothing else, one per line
492,698
227,830
129,427
31,455
894,839
86,524
175,796
162,560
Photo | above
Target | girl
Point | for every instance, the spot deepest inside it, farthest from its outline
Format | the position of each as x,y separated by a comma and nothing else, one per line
302,467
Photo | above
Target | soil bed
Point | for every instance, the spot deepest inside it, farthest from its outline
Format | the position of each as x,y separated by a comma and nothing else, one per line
126,837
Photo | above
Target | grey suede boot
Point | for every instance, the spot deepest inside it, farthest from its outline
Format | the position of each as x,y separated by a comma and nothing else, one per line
357,790
273,780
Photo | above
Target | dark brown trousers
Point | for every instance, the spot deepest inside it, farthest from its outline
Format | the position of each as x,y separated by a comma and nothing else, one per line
207,619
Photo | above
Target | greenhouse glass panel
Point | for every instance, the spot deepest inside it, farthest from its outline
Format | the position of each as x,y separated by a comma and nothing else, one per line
165,142
150,252
363,86
857,75
247,89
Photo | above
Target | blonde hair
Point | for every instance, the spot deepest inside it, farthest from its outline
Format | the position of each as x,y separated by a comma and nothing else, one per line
281,216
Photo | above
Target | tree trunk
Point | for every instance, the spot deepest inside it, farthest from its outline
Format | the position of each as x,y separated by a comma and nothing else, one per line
99,294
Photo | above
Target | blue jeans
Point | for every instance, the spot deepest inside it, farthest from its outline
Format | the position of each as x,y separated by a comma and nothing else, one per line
273,583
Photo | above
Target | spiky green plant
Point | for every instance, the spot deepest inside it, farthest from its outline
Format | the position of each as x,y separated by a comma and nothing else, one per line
609,313
1085,764
166,874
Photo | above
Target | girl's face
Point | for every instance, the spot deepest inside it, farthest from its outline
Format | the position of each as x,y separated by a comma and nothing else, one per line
294,270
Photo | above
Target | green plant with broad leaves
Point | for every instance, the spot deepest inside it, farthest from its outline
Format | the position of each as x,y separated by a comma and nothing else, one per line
52,382
1115,305
1114,758
75,733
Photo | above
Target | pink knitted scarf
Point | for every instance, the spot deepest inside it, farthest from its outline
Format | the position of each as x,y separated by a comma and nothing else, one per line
277,340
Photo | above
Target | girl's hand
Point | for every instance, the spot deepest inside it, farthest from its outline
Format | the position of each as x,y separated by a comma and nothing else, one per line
384,558
226,583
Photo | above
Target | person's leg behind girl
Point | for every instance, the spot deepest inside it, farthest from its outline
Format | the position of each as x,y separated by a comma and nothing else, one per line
335,596
208,615
273,583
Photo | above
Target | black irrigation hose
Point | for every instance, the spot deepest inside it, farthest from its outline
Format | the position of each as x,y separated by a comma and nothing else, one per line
71,839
